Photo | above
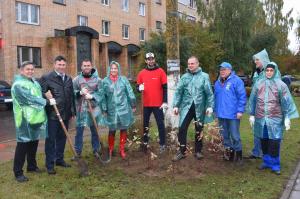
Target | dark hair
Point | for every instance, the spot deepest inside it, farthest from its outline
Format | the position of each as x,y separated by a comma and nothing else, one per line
25,63
60,58
86,60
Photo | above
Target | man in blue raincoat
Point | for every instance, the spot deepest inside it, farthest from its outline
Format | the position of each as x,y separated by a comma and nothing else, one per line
87,87
193,99
30,119
230,102
271,107
261,59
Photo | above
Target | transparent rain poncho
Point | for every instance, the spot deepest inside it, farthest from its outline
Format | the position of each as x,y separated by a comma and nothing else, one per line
29,113
271,102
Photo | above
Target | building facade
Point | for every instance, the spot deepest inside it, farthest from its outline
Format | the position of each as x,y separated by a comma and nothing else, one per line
101,30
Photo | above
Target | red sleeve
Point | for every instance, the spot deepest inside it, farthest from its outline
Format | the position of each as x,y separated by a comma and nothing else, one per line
164,78
139,79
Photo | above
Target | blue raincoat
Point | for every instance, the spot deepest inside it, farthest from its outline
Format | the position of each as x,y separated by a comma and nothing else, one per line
118,101
29,113
93,84
264,58
194,88
271,102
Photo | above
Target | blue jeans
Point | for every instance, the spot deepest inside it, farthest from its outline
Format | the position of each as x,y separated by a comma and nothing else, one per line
231,133
256,151
79,139
55,143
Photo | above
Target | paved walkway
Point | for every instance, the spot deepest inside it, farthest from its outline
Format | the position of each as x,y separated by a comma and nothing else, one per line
292,189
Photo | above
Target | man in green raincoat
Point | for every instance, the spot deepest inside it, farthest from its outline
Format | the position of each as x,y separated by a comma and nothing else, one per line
193,99
87,87
261,59
270,107
118,104
30,120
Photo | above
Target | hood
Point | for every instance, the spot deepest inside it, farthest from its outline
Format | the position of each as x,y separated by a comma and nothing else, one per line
276,72
119,68
263,57
94,73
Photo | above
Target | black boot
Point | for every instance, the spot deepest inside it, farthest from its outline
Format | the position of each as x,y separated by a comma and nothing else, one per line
232,155
238,158
227,154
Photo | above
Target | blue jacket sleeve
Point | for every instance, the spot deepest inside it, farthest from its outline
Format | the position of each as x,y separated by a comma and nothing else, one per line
242,97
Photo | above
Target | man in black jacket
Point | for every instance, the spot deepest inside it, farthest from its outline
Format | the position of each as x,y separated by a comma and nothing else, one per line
61,87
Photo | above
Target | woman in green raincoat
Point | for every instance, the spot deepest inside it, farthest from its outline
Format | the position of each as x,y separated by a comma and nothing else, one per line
119,104
30,119
270,107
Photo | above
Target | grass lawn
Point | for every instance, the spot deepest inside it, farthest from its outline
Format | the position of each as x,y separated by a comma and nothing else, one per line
216,180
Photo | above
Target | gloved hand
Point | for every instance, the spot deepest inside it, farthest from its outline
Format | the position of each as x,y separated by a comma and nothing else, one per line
84,91
52,101
88,96
251,120
287,124
175,110
209,111
164,107
141,87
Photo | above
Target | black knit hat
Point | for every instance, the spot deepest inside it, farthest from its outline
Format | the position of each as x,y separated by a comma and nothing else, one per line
270,66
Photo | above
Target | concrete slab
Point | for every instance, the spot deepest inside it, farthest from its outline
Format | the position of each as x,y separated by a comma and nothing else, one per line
295,195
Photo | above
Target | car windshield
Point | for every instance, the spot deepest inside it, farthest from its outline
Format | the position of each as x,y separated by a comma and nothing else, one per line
4,84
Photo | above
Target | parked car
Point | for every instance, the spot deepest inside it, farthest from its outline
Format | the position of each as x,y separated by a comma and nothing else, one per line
5,94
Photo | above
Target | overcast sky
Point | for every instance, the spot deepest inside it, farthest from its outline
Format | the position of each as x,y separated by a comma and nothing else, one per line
288,4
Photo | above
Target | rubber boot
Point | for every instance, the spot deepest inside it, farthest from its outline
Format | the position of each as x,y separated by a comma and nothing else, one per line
123,138
111,142
239,158
232,155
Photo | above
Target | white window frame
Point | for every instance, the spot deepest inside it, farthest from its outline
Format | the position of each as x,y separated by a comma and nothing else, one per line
29,8
142,9
105,2
82,20
105,32
125,5
156,23
125,31
142,34
20,58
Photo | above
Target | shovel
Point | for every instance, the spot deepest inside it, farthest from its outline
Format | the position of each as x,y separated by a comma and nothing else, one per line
82,165
97,129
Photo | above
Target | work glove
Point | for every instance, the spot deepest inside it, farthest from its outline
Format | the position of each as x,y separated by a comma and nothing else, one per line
251,120
52,101
141,87
287,124
88,96
164,107
175,110
209,111
84,91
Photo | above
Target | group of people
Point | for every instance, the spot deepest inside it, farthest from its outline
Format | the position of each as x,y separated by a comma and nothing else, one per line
111,102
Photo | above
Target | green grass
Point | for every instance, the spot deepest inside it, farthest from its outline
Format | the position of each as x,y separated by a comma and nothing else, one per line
112,182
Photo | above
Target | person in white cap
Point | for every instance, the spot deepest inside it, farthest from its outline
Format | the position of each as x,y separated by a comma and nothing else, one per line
152,81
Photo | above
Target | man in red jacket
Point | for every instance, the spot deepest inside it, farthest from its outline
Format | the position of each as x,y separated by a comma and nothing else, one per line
152,81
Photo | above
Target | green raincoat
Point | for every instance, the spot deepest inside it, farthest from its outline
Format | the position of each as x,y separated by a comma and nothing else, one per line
29,113
118,101
194,87
271,102
93,84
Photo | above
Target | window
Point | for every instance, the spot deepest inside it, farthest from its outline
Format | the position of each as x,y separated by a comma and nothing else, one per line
158,1
82,20
59,1
27,13
142,9
158,25
192,4
125,5
105,2
125,31
32,54
59,33
105,27
142,34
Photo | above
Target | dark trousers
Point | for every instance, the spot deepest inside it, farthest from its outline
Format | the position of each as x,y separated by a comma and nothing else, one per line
183,131
25,150
55,143
159,117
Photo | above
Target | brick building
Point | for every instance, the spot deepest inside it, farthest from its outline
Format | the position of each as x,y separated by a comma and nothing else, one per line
102,30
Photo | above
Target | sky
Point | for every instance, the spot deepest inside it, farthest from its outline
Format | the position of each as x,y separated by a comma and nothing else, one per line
288,4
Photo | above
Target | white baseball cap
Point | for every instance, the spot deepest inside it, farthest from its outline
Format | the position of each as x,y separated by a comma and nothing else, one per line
149,55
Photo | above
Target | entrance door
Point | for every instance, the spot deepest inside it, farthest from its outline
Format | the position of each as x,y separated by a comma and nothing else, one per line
83,48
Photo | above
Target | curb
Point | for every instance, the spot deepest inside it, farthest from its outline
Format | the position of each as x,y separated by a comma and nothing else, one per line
291,183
